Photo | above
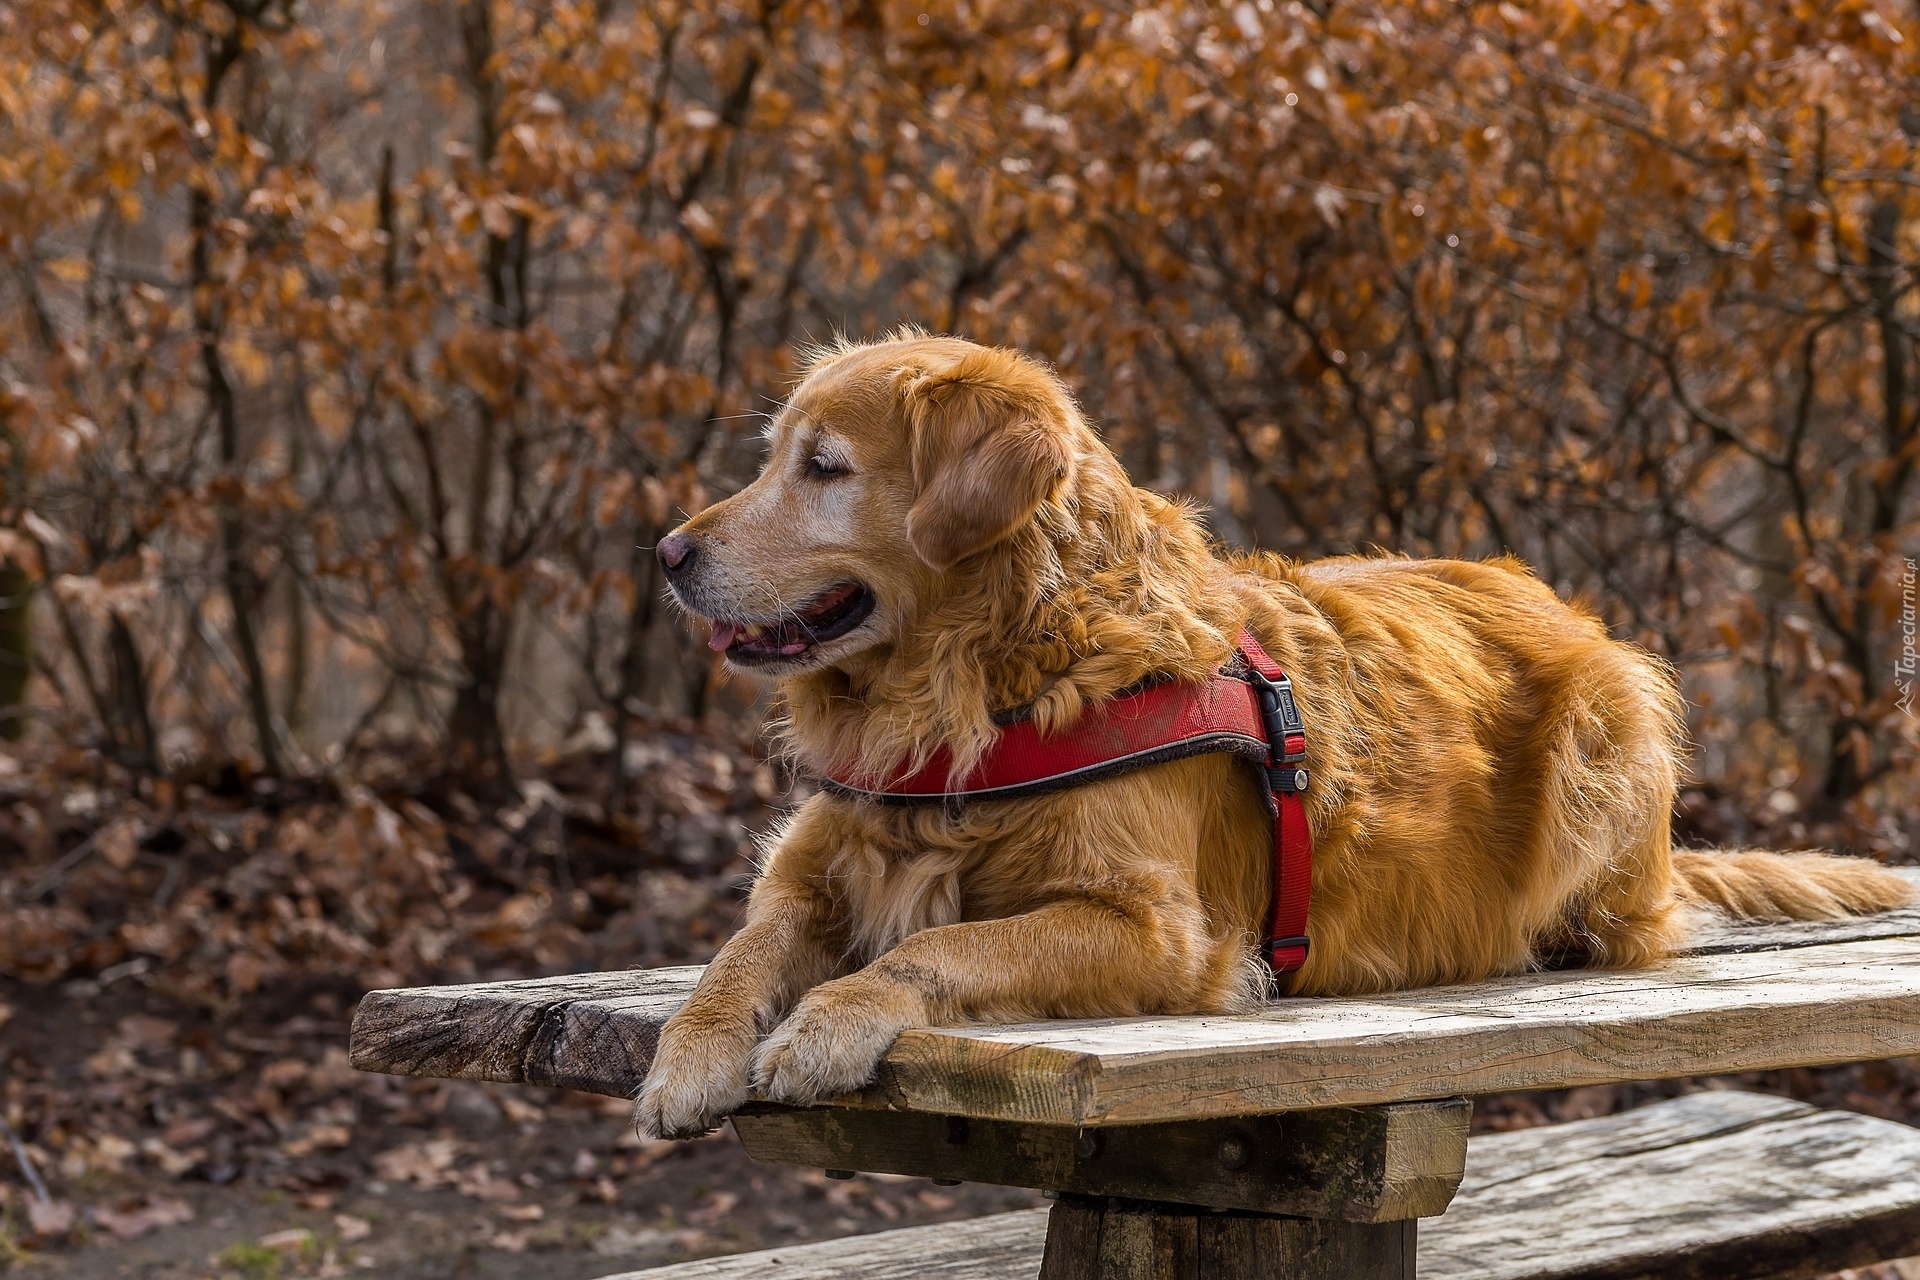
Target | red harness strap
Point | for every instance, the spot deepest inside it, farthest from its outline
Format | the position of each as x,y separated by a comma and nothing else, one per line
1249,712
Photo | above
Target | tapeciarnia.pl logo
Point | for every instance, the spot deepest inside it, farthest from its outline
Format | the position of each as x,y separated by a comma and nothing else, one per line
1904,666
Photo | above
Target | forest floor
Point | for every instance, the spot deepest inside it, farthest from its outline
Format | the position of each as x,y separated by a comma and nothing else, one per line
179,963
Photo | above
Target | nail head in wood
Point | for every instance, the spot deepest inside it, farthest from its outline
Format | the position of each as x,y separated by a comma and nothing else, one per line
1236,1151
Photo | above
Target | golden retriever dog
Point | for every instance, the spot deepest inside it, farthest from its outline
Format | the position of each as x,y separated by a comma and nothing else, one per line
938,536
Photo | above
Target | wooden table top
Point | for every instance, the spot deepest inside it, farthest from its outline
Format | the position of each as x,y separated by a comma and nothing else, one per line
1744,997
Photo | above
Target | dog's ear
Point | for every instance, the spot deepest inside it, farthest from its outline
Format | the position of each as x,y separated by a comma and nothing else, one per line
991,439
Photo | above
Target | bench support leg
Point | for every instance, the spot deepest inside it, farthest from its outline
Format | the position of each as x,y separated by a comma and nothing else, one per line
1101,1239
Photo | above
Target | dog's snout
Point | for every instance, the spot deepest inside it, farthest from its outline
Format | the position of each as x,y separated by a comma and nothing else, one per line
676,552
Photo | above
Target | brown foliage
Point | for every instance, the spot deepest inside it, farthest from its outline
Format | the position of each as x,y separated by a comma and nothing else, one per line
352,356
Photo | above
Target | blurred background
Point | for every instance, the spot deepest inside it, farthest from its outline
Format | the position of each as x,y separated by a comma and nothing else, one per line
354,355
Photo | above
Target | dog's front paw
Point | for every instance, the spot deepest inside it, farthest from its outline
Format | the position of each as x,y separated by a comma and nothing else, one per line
830,1044
695,1082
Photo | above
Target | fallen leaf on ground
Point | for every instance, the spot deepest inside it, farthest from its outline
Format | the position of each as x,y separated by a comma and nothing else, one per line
283,1074
292,1241
322,1137
352,1228
521,1111
189,1130
618,1240
132,1219
718,1206
112,1152
50,1218
143,1031
483,1183
119,842
424,1164
172,1163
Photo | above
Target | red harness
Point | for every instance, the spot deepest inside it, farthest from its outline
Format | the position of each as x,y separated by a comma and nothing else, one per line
1247,709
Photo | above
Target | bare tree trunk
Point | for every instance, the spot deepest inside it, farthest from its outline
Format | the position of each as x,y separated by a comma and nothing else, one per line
243,591
476,752
130,720
1850,767
16,647
298,658
477,742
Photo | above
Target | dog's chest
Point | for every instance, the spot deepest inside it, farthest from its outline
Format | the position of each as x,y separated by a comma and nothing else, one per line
914,870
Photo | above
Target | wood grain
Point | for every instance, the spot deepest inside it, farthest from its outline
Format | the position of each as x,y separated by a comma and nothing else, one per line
589,1031
1004,1246
1357,1164
1702,1015
1727,1186
1126,1240
1751,997
1716,1186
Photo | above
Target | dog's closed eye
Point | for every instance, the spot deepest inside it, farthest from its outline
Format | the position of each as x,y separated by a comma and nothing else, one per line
824,466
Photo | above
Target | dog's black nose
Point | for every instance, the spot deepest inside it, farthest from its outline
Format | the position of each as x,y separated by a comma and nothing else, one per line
675,552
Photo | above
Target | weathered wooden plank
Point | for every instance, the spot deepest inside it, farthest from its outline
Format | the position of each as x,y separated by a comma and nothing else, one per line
1703,1015
1716,1186
1358,1164
1827,992
577,1030
1004,1246
1726,1186
576,1040
1010,1246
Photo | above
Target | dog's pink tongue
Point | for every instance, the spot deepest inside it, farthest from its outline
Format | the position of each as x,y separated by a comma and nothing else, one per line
722,638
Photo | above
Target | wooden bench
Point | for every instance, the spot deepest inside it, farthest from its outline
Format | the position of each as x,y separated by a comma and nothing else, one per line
1313,1133
1727,1186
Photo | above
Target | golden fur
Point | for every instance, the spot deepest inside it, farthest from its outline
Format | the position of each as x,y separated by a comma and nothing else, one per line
1492,774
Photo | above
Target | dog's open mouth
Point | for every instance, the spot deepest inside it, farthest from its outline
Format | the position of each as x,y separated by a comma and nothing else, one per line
828,616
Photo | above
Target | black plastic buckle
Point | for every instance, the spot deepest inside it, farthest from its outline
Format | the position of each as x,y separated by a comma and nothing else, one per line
1280,717
1285,944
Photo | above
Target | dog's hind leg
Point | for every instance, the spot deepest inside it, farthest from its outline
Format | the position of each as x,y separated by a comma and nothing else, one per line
1605,818
1626,916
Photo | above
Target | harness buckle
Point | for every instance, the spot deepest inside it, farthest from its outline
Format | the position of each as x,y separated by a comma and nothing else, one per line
1280,717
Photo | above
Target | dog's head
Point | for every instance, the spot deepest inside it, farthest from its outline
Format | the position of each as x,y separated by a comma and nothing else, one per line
893,465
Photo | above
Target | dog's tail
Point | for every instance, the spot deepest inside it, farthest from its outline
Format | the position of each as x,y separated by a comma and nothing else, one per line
1787,886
